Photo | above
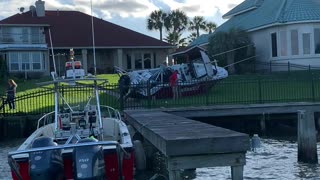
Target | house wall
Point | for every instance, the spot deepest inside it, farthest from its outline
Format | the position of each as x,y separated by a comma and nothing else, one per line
133,56
104,61
262,41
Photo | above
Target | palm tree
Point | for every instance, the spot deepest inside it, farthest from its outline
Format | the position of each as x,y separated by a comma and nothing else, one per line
156,21
177,21
192,37
174,38
222,42
197,23
211,26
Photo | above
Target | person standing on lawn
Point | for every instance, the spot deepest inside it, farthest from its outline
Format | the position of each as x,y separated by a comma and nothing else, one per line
174,84
11,93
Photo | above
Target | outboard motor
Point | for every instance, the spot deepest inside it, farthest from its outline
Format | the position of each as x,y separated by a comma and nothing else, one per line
88,161
45,164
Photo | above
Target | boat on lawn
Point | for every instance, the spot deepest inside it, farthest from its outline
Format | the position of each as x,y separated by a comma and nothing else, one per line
195,76
89,141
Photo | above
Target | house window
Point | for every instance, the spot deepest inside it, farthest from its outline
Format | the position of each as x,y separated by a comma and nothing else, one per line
24,36
147,60
294,42
154,60
137,61
317,40
14,61
129,65
274,44
6,36
36,61
306,43
25,61
21,61
283,36
35,35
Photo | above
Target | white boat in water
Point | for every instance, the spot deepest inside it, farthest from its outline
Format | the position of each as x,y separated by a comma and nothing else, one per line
80,139
194,77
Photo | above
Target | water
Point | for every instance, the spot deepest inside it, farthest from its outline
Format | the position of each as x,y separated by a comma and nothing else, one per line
276,159
5,147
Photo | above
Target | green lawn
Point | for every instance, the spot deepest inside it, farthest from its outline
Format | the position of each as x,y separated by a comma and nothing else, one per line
28,86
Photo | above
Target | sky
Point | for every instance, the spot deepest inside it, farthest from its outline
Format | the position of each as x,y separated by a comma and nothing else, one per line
131,14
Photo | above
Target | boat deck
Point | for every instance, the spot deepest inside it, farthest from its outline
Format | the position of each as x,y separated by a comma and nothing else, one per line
189,144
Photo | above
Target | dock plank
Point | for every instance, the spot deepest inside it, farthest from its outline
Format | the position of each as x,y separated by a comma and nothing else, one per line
178,136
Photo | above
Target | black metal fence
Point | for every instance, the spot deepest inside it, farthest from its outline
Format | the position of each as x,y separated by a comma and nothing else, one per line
250,89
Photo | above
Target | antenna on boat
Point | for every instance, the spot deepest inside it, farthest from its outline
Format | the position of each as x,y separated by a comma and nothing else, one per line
93,42
95,74
54,62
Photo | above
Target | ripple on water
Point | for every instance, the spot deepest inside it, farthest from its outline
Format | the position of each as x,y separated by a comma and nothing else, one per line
5,147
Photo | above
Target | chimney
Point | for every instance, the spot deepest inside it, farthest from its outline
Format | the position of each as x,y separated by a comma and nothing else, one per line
40,10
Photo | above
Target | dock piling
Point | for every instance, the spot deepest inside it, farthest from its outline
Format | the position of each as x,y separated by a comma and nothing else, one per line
307,142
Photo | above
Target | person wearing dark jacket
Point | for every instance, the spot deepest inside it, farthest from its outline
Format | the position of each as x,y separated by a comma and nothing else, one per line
11,93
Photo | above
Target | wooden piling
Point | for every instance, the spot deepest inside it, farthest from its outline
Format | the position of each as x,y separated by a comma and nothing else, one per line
237,172
263,124
307,142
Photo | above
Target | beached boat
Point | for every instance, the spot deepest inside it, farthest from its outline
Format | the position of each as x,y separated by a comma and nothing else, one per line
195,76
89,141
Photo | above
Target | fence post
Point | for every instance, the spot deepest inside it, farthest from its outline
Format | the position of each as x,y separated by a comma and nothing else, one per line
4,106
270,66
288,66
149,93
207,93
312,86
260,90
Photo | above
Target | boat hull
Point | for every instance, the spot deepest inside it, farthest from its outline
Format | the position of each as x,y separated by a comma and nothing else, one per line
110,159
185,89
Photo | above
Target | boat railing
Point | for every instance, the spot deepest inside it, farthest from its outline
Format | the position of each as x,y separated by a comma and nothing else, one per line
112,113
119,70
119,149
44,120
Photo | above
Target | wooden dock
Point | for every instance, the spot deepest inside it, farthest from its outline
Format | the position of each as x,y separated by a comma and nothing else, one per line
189,144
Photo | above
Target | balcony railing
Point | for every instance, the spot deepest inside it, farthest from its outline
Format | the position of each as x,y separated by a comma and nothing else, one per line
11,38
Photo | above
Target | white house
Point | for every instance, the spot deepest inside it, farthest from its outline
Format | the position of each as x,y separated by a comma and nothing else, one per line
282,30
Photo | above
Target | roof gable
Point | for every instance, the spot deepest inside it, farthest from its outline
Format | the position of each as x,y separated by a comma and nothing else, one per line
73,29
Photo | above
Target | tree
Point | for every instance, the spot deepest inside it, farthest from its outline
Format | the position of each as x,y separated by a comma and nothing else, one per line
174,38
197,23
192,37
177,21
211,26
222,46
156,21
